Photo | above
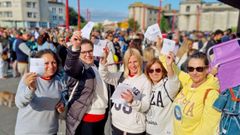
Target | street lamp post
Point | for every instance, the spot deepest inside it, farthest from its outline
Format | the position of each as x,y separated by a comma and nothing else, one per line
173,20
67,15
79,18
198,17
159,13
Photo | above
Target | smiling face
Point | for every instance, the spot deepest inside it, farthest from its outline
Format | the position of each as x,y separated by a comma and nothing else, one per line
50,65
155,73
86,53
133,65
200,76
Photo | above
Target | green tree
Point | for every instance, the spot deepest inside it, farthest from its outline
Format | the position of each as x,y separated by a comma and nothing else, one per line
164,25
99,27
133,24
73,17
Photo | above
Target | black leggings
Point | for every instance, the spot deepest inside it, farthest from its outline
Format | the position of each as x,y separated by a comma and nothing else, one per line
91,128
116,131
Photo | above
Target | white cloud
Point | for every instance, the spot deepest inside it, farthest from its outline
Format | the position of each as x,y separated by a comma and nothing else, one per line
99,15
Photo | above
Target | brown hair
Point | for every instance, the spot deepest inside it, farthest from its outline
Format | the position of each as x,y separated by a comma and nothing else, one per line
150,63
43,38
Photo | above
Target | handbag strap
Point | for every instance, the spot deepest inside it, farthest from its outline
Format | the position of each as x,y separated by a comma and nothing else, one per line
74,89
234,98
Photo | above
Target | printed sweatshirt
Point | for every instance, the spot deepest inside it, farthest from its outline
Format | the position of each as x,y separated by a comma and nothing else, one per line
191,115
160,114
130,118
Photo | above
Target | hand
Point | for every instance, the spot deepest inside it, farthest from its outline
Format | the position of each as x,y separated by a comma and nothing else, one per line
159,42
127,96
103,60
170,58
214,70
30,80
60,107
76,39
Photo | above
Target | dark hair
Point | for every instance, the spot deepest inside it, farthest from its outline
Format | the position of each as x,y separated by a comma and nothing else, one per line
217,32
136,43
40,53
86,41
43,38
199,55
150,63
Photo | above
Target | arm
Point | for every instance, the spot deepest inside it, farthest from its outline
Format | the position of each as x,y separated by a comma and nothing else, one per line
210,117
25,49
73,66
26,90
173,84
108,77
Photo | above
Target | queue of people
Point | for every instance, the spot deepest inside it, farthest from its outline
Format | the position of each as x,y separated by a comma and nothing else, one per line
171,95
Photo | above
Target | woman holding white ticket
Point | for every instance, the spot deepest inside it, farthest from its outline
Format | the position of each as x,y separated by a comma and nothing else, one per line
129,117
37,99
165,88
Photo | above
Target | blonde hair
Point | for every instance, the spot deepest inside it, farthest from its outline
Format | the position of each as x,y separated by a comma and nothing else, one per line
148,54
132,52
184,48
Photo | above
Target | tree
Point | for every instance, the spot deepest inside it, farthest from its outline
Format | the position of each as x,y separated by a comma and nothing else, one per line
164,25
133,24
73,17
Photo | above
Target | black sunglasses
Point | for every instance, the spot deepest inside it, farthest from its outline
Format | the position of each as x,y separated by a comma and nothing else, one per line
158,70
198,69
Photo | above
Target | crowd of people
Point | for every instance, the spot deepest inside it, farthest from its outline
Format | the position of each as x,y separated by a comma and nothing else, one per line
171,94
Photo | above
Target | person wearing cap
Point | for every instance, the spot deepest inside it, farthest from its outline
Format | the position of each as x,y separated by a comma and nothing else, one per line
23,52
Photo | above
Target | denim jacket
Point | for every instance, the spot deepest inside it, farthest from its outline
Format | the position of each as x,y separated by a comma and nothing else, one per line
230,120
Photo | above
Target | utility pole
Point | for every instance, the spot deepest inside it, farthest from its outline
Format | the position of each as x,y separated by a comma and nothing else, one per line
79,16
159,12
173,20
67,15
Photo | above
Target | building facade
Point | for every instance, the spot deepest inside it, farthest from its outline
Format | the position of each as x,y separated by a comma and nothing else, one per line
144,14
26,13
192,15
198,15
57,13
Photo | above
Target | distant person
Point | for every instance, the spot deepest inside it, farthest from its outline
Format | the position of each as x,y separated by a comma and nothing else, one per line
217,38
22,52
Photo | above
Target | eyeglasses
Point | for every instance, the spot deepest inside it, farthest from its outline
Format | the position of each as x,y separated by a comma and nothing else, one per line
157,70
87,52
198,69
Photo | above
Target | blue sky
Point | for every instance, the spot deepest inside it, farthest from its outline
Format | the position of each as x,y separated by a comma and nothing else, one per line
115,10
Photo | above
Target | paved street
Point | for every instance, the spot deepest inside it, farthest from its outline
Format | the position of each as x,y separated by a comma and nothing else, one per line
8,115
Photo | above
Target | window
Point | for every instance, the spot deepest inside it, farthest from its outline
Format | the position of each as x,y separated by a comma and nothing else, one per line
8,4
34,15
34,4
54,17
60,18
28,4
188,9
7,14
29,14
150,12
60,10
53,10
